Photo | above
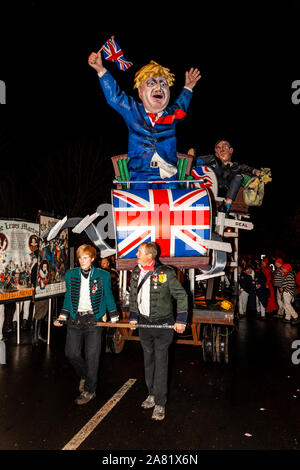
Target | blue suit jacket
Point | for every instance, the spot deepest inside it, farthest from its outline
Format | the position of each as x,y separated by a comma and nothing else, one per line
144,139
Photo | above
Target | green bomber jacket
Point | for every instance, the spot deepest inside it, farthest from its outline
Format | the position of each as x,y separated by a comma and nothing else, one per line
164,286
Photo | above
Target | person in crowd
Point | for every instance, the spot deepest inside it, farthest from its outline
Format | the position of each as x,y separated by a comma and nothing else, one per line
40,311
88,296
278,279
104,264
108,265
2,318
24,307
152,288
228,173
288,291
298,280
297,294
151,123
2,339
255,286
243,294
272,304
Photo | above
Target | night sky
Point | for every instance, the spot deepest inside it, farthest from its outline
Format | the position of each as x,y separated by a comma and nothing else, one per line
248,58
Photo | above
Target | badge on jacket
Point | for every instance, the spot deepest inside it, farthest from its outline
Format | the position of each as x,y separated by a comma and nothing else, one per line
162,278
155,280
95,287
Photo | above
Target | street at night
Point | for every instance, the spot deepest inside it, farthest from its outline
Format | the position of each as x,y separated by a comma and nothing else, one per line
89,117
248,404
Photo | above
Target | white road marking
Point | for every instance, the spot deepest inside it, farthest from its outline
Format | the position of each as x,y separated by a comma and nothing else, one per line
84,432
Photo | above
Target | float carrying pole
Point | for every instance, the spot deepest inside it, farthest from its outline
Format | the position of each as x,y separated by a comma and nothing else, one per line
129,325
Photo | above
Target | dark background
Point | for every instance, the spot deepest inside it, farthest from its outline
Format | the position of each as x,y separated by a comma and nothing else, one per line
57,133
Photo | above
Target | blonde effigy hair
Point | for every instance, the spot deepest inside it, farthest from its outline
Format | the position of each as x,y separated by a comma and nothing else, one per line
151,70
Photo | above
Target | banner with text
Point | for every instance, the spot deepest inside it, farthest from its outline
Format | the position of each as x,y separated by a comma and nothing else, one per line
19,243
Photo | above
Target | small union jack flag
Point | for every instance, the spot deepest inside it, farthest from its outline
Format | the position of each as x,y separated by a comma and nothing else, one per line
113,52
178,220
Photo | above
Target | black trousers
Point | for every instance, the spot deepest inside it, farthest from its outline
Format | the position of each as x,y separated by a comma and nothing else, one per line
155,343
83,347
229,189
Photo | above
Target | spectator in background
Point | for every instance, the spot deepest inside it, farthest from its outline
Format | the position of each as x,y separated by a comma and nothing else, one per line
298,280
2,316
266,270
278,278
243,294
288,292
297,294
107,265
258,293
25,307
104,264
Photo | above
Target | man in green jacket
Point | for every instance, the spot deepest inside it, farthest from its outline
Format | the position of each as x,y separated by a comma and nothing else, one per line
88,296
152,288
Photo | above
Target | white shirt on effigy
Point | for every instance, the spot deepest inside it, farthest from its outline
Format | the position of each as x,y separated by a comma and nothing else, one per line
165,169
143,298
85,304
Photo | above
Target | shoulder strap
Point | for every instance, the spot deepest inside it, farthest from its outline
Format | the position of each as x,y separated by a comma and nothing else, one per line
149,273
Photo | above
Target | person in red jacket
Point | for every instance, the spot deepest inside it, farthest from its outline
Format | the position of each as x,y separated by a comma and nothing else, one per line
298,280
272,304
277,281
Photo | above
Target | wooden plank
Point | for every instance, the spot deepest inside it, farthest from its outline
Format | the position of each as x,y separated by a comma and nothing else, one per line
215,321
188,341
238,205
180,262
196,333
119,324
131,338
189,159
216,245
240,224
115,163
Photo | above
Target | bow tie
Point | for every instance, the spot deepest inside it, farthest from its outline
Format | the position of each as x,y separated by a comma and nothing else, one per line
85,272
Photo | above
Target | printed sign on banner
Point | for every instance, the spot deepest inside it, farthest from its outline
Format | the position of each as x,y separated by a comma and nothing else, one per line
52,261
19,243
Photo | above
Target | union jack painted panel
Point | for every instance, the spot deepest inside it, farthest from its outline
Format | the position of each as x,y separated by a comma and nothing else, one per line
206,178
176,219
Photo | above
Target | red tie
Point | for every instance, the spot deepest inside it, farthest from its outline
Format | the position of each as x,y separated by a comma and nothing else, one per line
152,116
169,118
